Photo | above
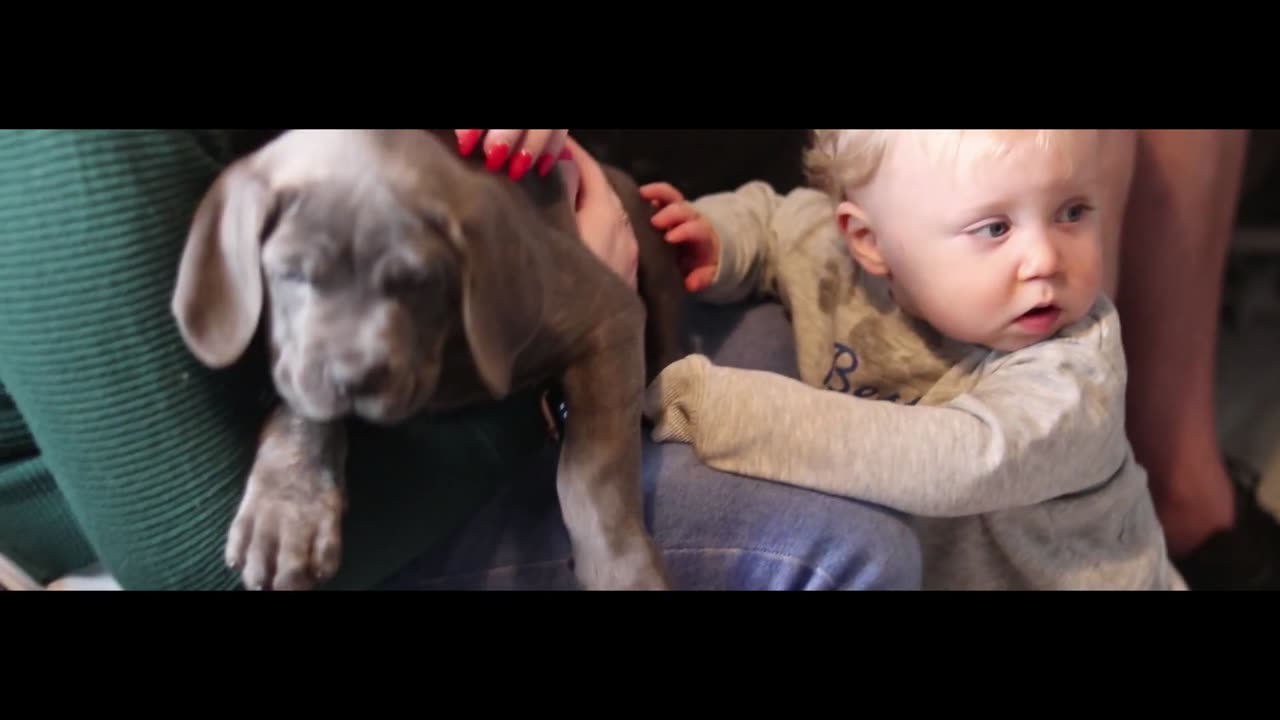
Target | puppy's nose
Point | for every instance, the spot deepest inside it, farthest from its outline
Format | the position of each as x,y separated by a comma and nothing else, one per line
355,376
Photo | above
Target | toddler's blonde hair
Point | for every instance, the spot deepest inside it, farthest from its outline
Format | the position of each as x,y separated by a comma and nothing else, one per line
837,161
840,161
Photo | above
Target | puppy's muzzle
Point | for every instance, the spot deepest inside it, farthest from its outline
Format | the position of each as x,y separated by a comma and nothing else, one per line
353,377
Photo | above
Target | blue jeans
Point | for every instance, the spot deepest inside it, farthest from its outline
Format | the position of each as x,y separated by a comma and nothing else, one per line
718,531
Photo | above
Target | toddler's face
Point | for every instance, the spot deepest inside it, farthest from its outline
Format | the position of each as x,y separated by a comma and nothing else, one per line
995,249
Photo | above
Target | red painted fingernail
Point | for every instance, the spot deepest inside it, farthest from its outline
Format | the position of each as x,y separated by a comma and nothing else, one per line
468,141
521,165
497,155
545,163
566,154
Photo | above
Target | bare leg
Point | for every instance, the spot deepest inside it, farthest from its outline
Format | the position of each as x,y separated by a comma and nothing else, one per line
1176,229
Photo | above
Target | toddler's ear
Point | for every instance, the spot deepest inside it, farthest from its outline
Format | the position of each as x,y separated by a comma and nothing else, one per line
861,238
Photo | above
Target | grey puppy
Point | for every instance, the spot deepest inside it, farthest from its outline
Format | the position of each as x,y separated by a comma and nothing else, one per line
392,277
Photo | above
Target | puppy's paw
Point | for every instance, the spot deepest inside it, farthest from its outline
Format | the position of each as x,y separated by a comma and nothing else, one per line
287,533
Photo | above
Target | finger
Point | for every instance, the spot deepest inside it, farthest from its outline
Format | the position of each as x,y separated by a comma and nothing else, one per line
529,149
260,567
532,149
498,146
238,540
468,140
698,251
595,193
552,152
700,279
293,558
593,178
672,215
327,550
688,262
660,193
611,240
696,232
631,263
570,176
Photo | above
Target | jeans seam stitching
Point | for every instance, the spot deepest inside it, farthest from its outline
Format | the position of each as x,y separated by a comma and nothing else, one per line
822,574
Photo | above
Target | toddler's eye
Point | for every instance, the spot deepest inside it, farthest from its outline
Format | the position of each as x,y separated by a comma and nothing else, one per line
993,230
1075,213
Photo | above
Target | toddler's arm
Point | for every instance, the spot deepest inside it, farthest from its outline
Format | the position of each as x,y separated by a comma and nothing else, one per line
732,242
1048,422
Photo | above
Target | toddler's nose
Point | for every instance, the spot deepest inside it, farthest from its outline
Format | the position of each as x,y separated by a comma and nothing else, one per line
1041,259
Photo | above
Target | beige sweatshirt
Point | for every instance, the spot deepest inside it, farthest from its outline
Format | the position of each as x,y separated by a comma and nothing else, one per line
1015,465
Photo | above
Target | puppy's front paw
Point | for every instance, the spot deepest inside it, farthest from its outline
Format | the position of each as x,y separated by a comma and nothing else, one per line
287,533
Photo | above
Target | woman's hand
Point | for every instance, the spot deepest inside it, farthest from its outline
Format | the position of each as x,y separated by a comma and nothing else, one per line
602,220
526,149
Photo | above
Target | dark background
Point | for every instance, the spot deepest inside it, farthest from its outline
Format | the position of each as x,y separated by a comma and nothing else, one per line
701,161
711,160
705,160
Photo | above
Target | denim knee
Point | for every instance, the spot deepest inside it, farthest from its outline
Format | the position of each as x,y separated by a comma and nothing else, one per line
725,531
852,545
888,558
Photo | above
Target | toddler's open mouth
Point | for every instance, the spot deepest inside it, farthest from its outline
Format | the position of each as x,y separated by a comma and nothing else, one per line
1039,320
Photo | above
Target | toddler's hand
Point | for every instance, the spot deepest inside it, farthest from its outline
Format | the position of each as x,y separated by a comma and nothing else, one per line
526,149
699,249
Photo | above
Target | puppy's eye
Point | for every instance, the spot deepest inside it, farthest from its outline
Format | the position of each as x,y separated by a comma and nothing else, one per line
292,274
407,281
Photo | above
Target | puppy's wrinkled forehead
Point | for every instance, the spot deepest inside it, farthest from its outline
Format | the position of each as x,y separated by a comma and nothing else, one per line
338,216
333,226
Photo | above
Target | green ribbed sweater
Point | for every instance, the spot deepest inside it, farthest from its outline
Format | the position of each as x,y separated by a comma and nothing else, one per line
115,444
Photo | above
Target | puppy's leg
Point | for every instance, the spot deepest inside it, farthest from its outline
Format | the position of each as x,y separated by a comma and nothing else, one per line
599,474
287,532
658,278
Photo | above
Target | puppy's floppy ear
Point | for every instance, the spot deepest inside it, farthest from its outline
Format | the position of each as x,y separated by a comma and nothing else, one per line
218,297
502,292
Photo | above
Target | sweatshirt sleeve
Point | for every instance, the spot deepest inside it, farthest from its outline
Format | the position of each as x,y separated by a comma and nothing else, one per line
1045,423
757,227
